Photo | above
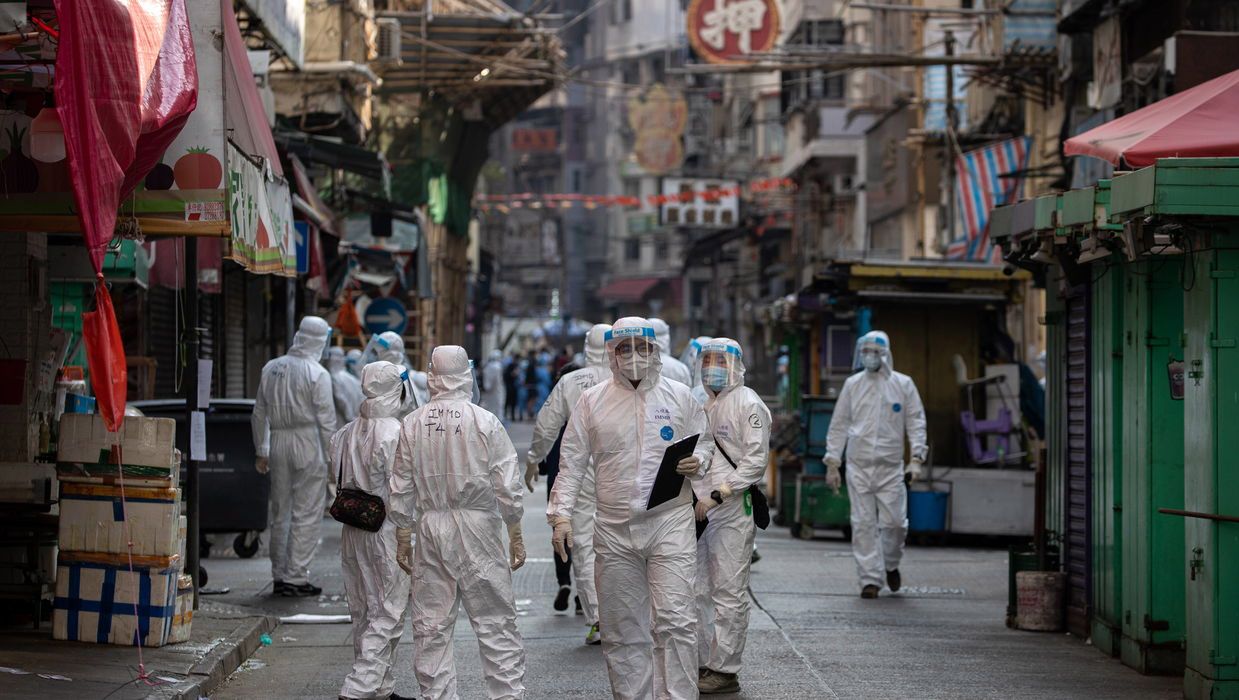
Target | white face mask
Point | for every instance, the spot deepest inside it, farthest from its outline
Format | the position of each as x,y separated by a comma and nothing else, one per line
871,361
636,367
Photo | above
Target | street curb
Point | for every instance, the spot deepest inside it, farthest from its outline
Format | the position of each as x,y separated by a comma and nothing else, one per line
214,668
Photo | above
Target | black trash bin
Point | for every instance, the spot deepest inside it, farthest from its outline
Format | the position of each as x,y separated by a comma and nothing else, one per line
232,494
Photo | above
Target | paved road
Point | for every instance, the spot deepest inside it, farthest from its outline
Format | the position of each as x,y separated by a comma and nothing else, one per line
810,636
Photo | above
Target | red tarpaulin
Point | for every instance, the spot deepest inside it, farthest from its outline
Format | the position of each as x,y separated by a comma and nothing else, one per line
1196,123
126,81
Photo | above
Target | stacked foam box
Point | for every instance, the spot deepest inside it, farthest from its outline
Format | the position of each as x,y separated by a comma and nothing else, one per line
183,615
118,489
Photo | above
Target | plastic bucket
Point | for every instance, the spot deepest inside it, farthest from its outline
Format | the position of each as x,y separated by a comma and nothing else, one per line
1040,600
927,511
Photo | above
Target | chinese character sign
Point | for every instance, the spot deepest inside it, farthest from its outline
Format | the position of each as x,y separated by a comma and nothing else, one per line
730,31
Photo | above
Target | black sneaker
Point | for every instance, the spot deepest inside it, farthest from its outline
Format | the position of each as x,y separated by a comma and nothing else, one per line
561,598
398,696
893,580
579,609
869,592
756,556
277,587
302,590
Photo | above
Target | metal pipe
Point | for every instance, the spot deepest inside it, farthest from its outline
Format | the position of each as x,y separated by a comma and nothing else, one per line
1202,516
332,67
191,405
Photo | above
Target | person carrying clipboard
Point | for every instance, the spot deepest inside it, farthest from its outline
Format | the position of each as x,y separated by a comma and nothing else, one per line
647,438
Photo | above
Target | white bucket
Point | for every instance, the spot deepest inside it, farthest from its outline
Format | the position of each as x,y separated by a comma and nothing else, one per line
1039,600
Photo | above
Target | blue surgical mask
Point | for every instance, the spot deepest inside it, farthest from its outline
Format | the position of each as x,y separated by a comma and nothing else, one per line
714,378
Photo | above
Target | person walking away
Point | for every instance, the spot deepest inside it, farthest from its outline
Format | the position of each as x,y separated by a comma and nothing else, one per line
740,423
346,390
456,482
645,558
672,367
293,420
494,394
876,409
362,454
548,433
352,361
544,378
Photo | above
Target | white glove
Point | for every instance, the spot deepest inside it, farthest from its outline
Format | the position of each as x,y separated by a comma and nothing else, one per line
404,549
704,507
688,466
562,536
833,479
913,470
262,465
531,474
516,546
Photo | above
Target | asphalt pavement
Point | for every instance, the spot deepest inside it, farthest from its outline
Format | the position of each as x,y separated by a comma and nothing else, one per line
810,634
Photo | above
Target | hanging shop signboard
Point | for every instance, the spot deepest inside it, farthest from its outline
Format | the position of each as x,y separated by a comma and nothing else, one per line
731,31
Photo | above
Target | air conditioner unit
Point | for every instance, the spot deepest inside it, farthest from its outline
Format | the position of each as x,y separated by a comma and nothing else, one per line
389,41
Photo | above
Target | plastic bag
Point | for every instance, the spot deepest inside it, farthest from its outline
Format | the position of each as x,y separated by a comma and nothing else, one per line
106,355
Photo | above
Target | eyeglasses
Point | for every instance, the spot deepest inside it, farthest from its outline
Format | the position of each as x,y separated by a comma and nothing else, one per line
626,348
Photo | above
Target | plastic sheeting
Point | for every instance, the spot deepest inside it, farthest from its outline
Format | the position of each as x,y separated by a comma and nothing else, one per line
126,81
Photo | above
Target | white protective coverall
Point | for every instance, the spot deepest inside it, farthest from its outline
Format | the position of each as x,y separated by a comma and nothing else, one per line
294,418
672,368
378,590
645,559
388,346
456,484
554,416
345,388
494,393
689,357
741,425
352,362
873,413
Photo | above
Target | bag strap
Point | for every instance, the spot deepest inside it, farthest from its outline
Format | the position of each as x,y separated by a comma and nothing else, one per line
723,452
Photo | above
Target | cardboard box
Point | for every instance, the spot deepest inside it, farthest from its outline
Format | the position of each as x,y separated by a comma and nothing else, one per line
100,600
93,519
183,617
143,442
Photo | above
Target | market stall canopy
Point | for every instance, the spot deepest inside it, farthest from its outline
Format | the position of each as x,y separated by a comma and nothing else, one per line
629,290
1195,123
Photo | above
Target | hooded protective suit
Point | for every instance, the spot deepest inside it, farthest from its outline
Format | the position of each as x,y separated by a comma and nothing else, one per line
645,558
456,483
494,394
293,420
672,368
551,419
689,357
389,347
875,410
352,362
741,425
345,388
362,454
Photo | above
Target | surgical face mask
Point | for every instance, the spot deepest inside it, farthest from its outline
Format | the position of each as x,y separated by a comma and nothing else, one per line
714,378
870,360
635,367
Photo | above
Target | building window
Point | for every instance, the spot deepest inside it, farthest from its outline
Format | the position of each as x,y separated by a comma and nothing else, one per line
621,11
576,181
632,187
632,249
662,248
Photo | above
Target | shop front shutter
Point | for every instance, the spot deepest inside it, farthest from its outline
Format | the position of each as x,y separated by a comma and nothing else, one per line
233,333
1077,540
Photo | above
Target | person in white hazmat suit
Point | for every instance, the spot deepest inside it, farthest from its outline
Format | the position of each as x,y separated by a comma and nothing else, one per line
293,420
388,346
740,422
692,352
494,394
352,362
345,388
551,419
876,409
672,367
457,483
645,559
362,454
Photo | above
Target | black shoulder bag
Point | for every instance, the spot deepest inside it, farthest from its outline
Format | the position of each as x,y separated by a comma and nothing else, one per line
357,508
761,507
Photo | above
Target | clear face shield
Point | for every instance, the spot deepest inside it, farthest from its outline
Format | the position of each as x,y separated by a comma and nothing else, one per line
872,353
635,350
720,366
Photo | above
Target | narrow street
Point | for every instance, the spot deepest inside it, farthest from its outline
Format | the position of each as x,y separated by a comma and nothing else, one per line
810,635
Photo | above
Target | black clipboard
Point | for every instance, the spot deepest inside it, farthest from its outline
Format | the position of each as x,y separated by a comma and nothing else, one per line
668,482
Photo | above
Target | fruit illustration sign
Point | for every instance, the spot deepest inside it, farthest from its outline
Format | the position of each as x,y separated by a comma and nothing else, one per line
261,211
730,31
658,118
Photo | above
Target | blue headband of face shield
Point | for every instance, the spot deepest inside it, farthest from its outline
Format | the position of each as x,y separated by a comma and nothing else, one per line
721,348
631,332
383,341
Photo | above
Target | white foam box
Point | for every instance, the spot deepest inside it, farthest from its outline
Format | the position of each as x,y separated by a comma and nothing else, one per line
183,615
78,473
182,530
143,442
31,483
96,596
93,518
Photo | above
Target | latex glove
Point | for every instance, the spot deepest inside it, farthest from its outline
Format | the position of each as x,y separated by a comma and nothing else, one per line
404,549
913,471
516,546
262,465
704,507
531,474
562,536
688,466
833,479
832,461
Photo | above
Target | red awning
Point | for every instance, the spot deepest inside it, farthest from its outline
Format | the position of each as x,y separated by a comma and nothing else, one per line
1196,123
629,290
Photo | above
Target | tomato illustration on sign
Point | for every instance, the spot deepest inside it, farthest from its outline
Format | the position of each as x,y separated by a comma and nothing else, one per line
198,170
